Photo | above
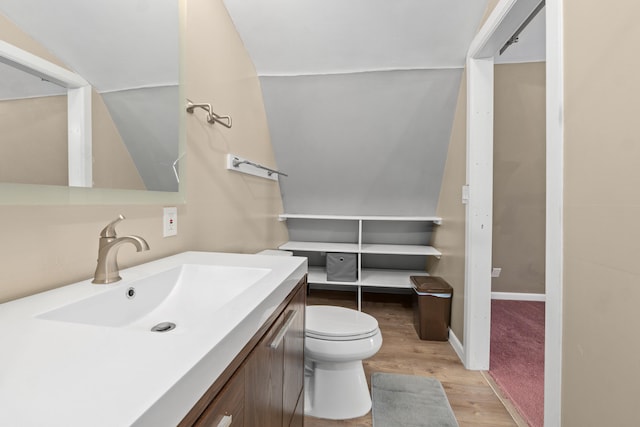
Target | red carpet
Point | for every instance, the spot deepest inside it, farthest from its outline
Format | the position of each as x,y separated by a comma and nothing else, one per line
517,355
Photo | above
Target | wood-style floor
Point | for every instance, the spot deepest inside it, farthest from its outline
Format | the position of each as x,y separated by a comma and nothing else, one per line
473,401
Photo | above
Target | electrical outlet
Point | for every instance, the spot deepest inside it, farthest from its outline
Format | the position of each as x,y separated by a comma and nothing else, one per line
496,272
170,222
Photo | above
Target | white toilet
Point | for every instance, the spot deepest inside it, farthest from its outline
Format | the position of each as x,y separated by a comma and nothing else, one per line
337,339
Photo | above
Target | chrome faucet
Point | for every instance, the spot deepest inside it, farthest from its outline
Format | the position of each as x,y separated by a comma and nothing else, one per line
107,270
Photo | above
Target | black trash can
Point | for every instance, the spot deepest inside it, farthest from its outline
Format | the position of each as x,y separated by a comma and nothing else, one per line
431,307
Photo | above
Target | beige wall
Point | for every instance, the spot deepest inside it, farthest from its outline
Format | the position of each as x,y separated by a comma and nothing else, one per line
46,247
601,372
449,237
231,211
33,146
519,177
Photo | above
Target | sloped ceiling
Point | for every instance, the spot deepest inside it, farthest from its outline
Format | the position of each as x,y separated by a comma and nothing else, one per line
128,50
360,97
115,44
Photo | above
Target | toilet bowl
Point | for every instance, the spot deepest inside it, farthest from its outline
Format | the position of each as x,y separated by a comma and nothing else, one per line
337,339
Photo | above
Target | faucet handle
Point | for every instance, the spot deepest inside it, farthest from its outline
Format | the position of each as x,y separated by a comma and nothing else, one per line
110,230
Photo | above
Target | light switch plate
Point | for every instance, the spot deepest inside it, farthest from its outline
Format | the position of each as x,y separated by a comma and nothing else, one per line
465,194
496,272
170,222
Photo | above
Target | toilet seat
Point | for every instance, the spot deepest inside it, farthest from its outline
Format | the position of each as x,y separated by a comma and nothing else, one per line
332,323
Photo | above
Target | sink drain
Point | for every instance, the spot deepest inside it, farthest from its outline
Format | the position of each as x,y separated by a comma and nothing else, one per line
164,327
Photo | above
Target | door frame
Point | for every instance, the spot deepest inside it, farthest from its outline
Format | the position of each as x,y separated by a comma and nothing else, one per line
506,17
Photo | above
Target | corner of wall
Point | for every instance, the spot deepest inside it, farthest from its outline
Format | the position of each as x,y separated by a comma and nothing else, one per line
449,237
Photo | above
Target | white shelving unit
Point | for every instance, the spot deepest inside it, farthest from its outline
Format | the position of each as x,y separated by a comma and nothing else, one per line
366,277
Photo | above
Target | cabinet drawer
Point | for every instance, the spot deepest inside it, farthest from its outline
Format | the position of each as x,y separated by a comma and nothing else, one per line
228,408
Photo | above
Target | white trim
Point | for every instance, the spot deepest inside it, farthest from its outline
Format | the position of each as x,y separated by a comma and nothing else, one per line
79,137
32,64
504,20
479,213
554,216
517,296
434,219
522,61
456,344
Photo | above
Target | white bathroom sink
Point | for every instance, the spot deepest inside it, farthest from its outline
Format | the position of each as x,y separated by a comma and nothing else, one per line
84,354
182,296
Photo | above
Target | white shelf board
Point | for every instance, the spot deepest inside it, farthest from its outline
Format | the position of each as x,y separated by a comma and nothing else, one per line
389,278
367,248
370,277
435,219
318,275
320,247
372,248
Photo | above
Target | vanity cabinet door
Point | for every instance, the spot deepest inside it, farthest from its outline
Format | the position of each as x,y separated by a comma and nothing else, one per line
227,409
263,380
266,388
293,381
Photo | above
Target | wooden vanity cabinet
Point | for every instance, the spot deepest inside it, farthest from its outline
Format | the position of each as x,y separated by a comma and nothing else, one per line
274,372
263,386
227,409
264,374
293,382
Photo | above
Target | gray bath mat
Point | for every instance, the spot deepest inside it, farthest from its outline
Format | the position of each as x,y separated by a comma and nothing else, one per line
409,401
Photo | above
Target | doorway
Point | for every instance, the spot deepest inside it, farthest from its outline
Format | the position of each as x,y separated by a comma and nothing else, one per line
507,16
518,239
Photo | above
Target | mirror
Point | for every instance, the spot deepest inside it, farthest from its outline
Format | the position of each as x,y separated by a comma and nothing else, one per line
113,120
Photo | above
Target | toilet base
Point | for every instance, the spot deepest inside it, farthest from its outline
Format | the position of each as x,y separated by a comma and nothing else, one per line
336,390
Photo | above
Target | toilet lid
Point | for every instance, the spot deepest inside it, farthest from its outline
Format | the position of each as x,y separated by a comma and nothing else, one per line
338,323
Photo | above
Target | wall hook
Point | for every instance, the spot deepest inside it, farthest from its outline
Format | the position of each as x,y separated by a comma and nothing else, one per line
212,117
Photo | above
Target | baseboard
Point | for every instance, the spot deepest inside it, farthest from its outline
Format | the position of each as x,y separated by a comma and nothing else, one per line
508,404
457,345
517,296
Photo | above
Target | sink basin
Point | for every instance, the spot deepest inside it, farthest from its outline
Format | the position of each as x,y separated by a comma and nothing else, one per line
183,296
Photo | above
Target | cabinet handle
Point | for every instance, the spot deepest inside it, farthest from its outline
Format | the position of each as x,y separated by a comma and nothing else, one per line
283,330
226,421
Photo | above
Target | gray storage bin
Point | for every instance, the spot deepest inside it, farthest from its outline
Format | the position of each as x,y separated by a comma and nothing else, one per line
342,267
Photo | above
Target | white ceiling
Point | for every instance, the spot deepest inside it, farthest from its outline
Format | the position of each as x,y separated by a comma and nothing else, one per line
113,44
288,37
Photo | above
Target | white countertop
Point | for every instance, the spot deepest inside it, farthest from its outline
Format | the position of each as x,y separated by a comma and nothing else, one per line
56,373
